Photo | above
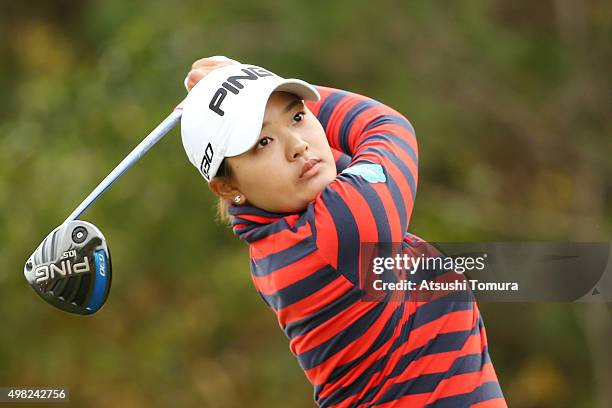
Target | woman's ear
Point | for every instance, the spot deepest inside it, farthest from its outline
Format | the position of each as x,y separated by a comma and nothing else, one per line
222,187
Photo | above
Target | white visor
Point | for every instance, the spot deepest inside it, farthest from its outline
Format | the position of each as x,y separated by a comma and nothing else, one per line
223,113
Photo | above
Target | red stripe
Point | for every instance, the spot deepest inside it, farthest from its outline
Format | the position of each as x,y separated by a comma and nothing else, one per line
451,322
403,186
313,106
260,219
396,130
464,383
440,362
279,241
356,132
358,347
383,350
328,247
336,154
315,302
289,275
240,226
392,211
330,328
434,363
327,236
387,145
461,384
337,117
360,209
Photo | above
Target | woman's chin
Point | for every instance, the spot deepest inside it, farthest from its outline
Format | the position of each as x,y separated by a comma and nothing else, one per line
314,190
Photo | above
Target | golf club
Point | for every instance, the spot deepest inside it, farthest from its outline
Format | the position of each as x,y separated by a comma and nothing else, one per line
71,268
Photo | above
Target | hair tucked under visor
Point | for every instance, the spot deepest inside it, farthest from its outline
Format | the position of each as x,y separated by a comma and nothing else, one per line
224,171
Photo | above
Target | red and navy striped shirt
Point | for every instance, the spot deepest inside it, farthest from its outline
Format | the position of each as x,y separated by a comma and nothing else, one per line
306,268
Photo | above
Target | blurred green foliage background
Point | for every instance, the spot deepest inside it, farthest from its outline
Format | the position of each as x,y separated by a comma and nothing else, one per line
511,103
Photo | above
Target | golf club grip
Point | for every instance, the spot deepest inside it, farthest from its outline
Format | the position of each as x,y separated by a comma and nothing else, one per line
152,138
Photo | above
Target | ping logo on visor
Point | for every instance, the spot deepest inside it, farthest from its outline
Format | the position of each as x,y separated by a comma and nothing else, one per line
231,84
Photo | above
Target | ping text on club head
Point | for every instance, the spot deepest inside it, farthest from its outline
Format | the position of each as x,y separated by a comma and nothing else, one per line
65,267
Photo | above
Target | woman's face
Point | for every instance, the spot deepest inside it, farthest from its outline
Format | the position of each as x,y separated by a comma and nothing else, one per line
290,163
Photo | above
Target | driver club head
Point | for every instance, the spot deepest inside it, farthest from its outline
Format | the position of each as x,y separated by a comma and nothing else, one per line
71,268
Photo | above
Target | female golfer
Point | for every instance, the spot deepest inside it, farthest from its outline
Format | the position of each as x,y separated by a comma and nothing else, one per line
269,148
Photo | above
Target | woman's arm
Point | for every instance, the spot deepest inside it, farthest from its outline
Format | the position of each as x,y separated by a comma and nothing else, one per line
372,199
342,160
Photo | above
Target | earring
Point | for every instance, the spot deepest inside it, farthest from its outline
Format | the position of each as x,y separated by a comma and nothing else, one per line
237,199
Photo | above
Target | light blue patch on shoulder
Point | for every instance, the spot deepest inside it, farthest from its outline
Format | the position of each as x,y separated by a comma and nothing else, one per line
373,173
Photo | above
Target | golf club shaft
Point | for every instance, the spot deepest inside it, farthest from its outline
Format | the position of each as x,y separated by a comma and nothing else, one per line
152,138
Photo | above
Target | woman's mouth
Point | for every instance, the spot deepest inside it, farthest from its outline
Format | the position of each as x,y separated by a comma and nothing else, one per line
311,167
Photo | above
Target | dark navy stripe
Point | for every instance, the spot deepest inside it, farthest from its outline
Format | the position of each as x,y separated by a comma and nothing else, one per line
243,230
384,336
437,308
246,209
262,231
486,391
281,259
253,230
389,153
309,216
442,343
347,122
341,340
317,390
427,313
359,384
398,199
422,384
378,210
309,323
380,152
328,106
342,162
391,119
439,344
424,314
348,243
468,363
376,366
301,289
472,363
396,141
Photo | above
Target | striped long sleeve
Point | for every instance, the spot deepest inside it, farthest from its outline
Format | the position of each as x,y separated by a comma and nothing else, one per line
354,210
306,268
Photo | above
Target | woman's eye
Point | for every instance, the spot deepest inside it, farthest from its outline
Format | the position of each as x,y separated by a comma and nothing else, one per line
264,142
298,116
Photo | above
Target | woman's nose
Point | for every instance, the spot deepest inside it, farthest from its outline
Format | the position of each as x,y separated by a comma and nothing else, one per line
296,146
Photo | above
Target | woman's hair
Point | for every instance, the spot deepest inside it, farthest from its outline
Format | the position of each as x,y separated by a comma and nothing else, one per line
225,171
